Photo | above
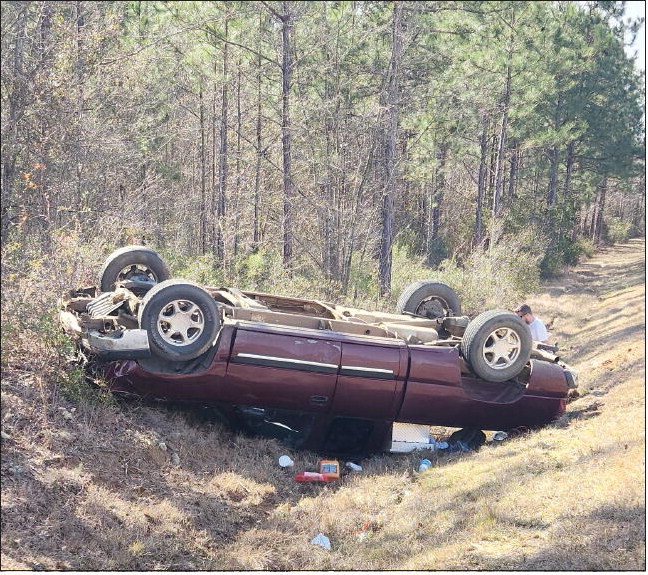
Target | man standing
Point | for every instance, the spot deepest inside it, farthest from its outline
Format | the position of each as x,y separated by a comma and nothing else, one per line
538,329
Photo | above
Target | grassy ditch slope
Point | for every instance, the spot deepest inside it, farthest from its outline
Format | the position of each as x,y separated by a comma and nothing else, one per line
90,484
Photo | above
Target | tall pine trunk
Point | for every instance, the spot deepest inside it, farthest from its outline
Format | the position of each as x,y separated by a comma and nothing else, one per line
552,195
596,230
436,201
482,183
287,67
501,146
256,228
223,159
331,209
391,138
203,172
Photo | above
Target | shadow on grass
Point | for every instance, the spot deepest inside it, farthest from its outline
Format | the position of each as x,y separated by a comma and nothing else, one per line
602,331
610,532
587,276
114,504
614,540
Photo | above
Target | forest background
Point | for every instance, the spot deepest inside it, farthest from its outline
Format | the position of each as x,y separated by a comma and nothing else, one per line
332,149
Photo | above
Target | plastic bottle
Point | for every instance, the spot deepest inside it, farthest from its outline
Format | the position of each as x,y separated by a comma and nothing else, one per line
424,465
285,461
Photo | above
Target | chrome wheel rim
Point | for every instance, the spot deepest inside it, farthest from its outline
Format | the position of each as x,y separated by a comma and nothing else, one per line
502,348
180,322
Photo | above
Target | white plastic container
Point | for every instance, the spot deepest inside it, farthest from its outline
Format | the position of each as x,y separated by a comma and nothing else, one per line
285,461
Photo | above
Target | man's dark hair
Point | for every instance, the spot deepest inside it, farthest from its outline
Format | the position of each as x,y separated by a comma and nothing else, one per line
523,309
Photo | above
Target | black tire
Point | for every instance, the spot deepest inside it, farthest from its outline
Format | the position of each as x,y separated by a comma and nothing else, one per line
181,319
132,263
429,299
496,345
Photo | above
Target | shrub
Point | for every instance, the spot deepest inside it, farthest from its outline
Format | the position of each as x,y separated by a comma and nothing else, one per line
255,270
201,269
587,247
617,230
499,276
564,252
33,342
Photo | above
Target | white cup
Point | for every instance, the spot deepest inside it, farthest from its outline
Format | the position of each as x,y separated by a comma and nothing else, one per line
285,461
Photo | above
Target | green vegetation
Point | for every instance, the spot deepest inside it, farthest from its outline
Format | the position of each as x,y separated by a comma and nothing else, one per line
366,131
337,150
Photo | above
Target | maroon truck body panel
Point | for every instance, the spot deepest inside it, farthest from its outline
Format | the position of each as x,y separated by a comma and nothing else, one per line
311,373
327,374
267,366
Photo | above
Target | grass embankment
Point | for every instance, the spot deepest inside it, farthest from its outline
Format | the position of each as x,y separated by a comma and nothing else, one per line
88,484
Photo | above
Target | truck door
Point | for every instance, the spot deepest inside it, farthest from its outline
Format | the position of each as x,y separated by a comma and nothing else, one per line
273,366
371,380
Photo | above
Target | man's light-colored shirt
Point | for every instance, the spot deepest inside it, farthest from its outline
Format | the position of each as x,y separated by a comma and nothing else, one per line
538,330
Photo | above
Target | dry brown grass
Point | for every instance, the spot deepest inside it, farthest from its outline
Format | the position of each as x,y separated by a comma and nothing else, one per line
96,485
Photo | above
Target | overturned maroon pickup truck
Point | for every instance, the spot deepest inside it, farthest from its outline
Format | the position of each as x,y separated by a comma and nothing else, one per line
322,376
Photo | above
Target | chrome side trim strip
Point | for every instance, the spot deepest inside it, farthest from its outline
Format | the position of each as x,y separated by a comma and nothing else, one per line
285,362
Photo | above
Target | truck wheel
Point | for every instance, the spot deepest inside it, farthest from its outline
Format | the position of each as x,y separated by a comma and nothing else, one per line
139,266
496,345
181,319
429,299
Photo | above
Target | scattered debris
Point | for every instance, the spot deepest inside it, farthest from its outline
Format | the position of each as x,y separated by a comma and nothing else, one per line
162,446
285,461
500,436
175,458
330,468
329,471
424,465
322,540
517,431
67,414
310,477
408,437
353,466
367,530
467,439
